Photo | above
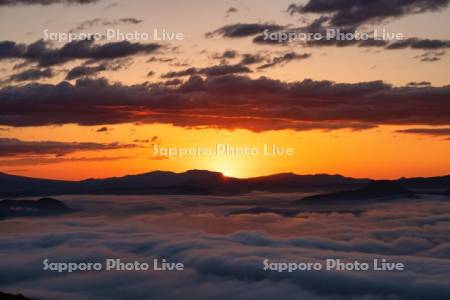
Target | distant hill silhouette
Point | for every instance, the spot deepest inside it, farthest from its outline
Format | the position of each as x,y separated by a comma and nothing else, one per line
160,182
196,182
5,296
293,182
30,208
374,190
12,185
431,183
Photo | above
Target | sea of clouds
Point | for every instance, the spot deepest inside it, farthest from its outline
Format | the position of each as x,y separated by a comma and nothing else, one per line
223,253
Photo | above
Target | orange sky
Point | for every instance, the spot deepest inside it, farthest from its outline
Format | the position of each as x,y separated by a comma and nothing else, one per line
374,153
380,152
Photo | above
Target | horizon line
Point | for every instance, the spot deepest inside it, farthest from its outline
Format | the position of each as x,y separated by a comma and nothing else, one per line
232,177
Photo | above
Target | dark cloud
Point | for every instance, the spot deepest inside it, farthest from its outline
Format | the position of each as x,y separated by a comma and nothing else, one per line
209,71
175,81
146,141
430,56
32,74
320,27
224,70
105,22
316,26
162,59
103,129
15,147
231,10
81,71
227,102
40,160
411,43
250,59
421,83
227,54
288,57
186,72
45,2
415,43
431,59
88,69
427,131
44,55
355,12
240,30
129,20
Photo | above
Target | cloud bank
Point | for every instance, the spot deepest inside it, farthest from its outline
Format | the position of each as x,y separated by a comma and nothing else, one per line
223,254
227,101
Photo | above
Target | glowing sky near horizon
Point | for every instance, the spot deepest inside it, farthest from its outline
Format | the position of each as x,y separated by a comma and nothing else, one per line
379,152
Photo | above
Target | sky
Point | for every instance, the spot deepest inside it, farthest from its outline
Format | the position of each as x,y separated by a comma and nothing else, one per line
98,108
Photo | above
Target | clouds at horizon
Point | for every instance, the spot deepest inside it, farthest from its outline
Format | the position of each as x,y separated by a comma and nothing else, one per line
228,101
217,70
16,147
45,160
427,131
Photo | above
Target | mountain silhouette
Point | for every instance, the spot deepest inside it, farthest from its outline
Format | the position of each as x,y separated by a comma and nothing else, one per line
160,182
375,190
5,296
292,182
190,182
30,208
198,182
